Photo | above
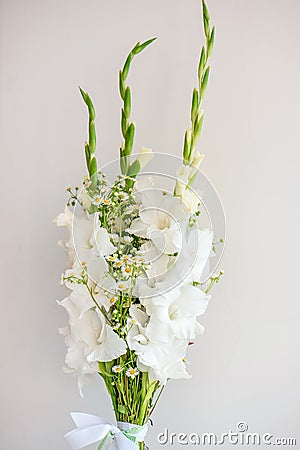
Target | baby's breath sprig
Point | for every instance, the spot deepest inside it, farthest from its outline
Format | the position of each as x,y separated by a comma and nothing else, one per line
220,241
212,280
192,134
127,127
90,147
73,196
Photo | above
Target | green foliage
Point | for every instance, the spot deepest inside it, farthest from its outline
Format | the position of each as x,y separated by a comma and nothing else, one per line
192,135
128,127
90,147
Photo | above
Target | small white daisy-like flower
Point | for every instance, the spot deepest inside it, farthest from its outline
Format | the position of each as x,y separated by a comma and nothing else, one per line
123,285
96,200
126,271
117,369
127,259
112,300
132,321
132,373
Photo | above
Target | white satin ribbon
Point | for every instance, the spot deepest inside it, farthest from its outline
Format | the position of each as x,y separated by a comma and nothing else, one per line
91,429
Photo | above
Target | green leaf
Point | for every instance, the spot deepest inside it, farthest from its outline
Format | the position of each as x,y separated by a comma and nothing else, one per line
205,10
87,154
82,93
211,42
204,82
129,139
122,409
93,166
187,145
198,127
126,66
201,63
195,102
124,123
140,47
134,169
127,102
206,28
92,137
89,103
124,162
121,85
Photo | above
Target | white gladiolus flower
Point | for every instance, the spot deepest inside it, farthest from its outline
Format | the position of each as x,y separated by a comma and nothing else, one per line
110,345
144,287
85,328
197,159
190,262
139,317
134,277
175,314
89,339
81,335
101,240
191,200
79,296
186,172
143,183
182,179
158,262
144,156
197,251
65,219
80,230
159,221
166,362
162,360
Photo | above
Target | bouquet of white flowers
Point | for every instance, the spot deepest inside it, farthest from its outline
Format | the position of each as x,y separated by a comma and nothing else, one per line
136,257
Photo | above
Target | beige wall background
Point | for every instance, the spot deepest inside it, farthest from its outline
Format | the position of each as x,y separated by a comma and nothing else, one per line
246,365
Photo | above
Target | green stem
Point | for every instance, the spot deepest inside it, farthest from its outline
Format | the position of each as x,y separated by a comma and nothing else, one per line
101,308
192,134
127,127
90,147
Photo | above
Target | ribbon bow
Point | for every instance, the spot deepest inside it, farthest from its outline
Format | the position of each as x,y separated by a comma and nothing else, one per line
91,429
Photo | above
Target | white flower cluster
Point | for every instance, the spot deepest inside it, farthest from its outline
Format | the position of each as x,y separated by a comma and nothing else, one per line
135,260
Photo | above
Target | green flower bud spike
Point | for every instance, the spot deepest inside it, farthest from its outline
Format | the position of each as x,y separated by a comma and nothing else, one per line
128,127
90,146
192,135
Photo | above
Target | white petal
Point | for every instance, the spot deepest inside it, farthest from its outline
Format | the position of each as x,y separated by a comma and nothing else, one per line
65,219
111,346
102,241
144,156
